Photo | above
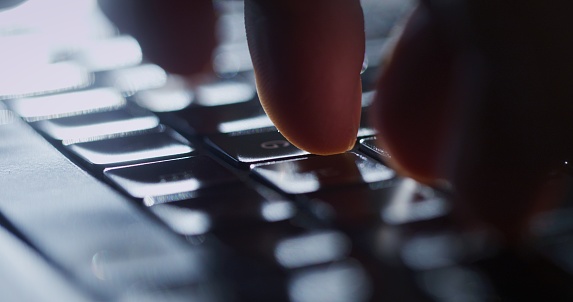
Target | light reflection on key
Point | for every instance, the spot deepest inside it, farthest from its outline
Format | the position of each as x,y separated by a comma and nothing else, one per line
67,104
170,176
139,190
130,148
310,174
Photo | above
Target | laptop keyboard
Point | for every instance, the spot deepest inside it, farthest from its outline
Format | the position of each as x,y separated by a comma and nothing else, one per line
156,191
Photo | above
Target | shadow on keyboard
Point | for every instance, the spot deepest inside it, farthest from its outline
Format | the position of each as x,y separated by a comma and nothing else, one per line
121,182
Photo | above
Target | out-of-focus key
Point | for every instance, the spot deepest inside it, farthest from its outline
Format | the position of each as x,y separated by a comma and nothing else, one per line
310,174
237,206
108,54
401,202
67,104
173,96
42,79
73,129
220,119
170,177
340,282
254,147
413,202
133,79
132,148
224,93
287,246
349,208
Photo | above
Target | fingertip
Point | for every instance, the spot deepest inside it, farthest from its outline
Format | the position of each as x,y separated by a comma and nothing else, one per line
307,58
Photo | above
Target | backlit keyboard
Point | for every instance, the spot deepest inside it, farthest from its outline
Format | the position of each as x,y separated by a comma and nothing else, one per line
170,193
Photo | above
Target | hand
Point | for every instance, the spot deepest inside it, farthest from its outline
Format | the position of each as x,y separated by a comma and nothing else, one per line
491,117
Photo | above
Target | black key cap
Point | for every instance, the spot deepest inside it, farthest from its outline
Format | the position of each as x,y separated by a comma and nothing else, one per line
133,148
254,147
100,124
237,206
170,177
314,173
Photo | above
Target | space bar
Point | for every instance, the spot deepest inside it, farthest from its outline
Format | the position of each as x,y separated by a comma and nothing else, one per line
89,232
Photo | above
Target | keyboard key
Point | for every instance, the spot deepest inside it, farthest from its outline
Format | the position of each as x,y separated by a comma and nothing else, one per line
413,202
254,147
237,206
310,174
169,177
224,93
175,95
349,208
42,79
80,128
311,249
131,148
399,202
108,54
67,104
232,59
288,247
133,79
220,119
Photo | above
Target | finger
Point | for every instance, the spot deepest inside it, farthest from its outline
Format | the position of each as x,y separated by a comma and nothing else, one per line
307,57
413,111
177,35
496,139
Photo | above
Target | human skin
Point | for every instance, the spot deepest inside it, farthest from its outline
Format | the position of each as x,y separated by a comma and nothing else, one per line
492,118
